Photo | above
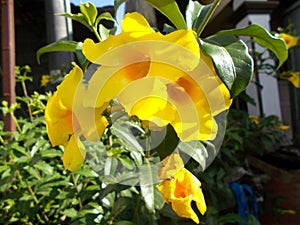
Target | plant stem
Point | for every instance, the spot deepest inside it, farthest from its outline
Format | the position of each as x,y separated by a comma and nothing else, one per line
96,33
16,122
208,16
32,194
75,185
147,155
26,95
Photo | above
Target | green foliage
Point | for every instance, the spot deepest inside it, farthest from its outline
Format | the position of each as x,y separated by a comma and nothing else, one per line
116,185
68,46
195,13
242,61
264,38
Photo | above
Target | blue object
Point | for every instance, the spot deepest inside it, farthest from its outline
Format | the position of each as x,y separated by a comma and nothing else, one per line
244,195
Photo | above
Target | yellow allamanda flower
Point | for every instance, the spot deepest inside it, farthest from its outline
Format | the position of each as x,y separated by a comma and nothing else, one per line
254,119
45,80
163,79
180,187
283,127
290,41
67,119
291,76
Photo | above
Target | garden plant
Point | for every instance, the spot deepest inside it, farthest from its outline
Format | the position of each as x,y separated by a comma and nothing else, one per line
140,130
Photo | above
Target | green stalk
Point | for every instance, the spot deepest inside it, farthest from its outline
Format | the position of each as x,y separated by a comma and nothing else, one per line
96,33
75,186
26,95
16,121
208,16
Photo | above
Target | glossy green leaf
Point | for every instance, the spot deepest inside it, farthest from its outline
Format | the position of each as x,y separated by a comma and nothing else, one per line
196,150
77,17
89,11
66,46
169,143
195,14
121,127
103,32
158,199
263,38
171,10
241,58
147,179
222,61
104,16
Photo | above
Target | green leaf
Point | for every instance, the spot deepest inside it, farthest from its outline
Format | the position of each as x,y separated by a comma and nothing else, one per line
89,11
104,16
83,62
263,38
241,58
158,199
111,188
124,222
196,150
122,129
77,17
171,10
66,46
69,212
169,144
230,218
147,179
104,32
222,61
195,14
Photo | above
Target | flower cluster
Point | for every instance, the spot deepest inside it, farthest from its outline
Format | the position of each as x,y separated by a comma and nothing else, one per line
162,79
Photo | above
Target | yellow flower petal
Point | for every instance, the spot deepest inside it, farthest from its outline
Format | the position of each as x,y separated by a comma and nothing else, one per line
180,191
74,154
134,26
183,208
45,80
135,23
295,79
108,82
59,121
144,98
170,166
91,121
290,40
70,85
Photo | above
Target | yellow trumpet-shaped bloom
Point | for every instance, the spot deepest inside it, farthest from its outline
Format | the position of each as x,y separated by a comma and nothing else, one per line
291,76
67,119
162,79
180,187
290,41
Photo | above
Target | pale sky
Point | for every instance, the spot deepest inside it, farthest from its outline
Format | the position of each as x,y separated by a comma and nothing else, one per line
98,3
